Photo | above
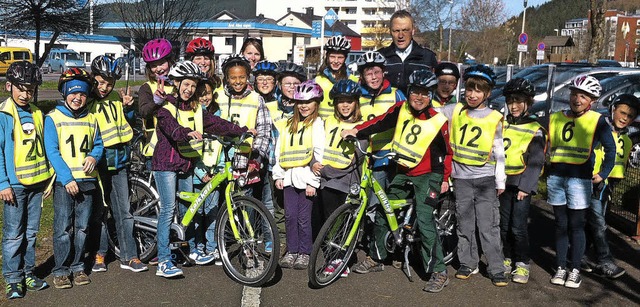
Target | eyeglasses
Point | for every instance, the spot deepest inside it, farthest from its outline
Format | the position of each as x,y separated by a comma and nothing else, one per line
291,84
374,74
445,82
265,80
422,95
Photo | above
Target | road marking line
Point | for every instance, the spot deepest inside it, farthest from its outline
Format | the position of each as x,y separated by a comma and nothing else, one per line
251,297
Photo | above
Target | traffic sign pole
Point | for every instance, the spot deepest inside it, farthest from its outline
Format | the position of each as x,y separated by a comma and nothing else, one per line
524,17
322,41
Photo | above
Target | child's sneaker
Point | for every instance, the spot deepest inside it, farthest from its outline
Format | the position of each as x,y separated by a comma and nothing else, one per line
81,278
153,261
507,265
288,260
99,265
500,279
559,277
464,272
521,273
574,280
200,258
345,272
368,265
268,247
610,270
437,282
61,282
14,290
167,269
302,262
134,265
585,266
216,257
34,283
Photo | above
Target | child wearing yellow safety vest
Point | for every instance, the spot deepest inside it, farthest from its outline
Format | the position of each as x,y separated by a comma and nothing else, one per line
573,135
301,141
422,136
24,175
181,122
624,109
448,77
478,173
524,145
332,70
74,147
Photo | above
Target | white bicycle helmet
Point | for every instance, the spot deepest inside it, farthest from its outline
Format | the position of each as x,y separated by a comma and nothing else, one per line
369,59
587,84
184,70
338,43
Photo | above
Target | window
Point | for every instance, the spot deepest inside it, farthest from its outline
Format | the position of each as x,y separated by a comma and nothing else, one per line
5,56
20,55
307,40
228,41
86,56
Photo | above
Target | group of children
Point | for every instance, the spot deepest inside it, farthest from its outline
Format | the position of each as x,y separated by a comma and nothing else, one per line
80,149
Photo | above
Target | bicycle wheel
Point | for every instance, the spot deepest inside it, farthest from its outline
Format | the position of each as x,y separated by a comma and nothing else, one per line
445,217
144,201
245,260
329,258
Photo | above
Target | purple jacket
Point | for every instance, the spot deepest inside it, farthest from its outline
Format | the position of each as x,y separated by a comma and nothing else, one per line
165,155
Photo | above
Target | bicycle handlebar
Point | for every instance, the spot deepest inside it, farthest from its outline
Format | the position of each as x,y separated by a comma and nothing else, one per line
391,155
227,141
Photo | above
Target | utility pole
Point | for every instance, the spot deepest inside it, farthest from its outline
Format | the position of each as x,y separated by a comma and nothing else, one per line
524,17
450,24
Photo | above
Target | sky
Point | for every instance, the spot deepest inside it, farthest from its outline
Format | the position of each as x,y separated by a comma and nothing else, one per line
515,7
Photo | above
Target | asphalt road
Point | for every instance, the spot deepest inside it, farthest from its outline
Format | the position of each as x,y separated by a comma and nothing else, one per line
209,286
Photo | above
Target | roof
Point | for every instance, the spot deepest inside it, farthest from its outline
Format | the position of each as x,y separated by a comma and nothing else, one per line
308,20
72,36
558,41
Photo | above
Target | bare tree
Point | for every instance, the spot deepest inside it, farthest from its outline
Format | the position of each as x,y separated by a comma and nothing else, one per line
44,15
148,19
479,17
598,9
432,15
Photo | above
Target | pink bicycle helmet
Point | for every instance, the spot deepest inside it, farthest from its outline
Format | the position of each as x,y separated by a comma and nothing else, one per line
308,90
156,49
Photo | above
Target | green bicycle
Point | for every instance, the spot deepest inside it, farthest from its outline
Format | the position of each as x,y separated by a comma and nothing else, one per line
342,231
244,226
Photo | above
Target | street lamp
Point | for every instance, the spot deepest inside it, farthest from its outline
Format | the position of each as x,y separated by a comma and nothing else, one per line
450,24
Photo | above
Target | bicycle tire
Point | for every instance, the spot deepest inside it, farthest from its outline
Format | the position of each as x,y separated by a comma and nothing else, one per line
445,217
246,261
144,203
328,259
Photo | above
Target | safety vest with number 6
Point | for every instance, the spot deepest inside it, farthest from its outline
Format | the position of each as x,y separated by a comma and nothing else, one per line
571,138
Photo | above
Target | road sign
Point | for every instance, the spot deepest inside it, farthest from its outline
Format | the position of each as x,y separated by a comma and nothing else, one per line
541,46
522,48
540,55
331,17
523,38
316,27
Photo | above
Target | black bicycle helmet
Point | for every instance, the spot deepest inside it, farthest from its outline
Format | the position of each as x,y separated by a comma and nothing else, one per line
106,66
185,70
370,59
235,60
290,69
345,88
265,68
423,78
519,86
338,43
480,71
628,99
24,73
447,68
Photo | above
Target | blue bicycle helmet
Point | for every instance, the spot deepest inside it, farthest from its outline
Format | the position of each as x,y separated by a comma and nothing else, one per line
480,71
345,88
265,68
106,66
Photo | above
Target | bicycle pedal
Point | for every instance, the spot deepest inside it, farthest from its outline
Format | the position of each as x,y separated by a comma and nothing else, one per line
408,227
179,244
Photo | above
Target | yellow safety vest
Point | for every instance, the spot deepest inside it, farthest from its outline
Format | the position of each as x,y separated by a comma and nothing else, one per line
413,136
148,148
242,112
296,149
192,120
326,105
274,112
31,164
75,139
516,142
623,150
381,104
471,138
571,138
113,125
337,153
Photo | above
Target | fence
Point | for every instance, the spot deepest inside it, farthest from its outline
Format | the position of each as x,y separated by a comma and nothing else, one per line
625,203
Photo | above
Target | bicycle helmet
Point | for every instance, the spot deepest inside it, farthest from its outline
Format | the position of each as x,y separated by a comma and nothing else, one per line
447,68
265,68
200,46
519,86
156,49
185,70
74,74
587,84
24,73
338,43
370,59
308,90
291,69
628,99
345,88
634,156
423,78
235,60
480,71
106,66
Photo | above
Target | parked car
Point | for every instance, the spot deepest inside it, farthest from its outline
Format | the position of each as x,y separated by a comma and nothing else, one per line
63,59
9,55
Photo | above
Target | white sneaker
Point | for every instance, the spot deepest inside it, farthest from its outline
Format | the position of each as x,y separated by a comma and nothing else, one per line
560,276
216,257
574,280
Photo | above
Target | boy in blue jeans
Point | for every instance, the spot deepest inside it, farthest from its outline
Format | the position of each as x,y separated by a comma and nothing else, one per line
24,174
74,147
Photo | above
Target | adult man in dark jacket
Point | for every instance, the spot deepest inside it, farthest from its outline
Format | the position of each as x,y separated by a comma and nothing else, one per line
404,55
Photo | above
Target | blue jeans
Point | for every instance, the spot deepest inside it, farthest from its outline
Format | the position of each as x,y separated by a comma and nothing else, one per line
70,222
514,215
20,227
575,193
168,183
206,216
569,234
116,186
598,227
